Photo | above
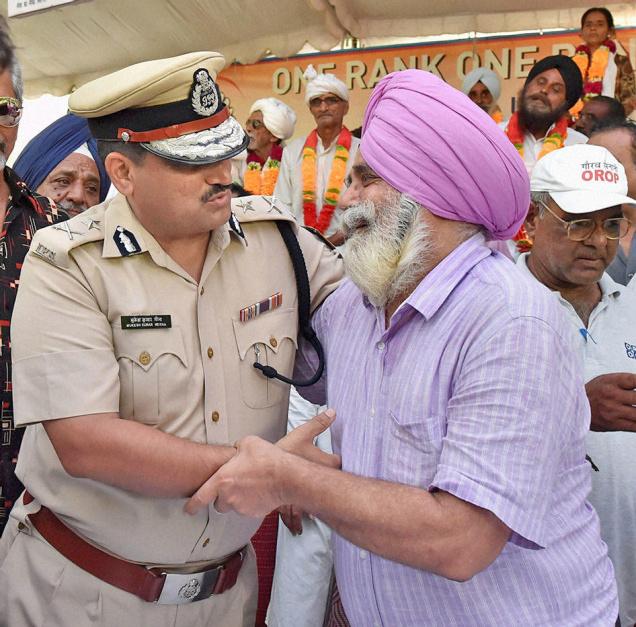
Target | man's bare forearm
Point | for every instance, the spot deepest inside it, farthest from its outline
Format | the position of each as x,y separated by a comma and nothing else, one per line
133,456
432,531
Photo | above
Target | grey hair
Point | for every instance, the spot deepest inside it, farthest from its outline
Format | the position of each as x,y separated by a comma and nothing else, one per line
539,199
16,79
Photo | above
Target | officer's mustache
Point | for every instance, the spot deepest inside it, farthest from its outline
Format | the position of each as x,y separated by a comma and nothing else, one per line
216,188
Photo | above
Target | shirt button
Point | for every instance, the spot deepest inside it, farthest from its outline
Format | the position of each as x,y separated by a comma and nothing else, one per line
210,352
363,554
21,526
630,275
202,291
373,411
144,358
273,342
380,346
215,416
206,542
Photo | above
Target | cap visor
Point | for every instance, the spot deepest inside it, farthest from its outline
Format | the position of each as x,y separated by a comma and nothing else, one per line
586,201
210,146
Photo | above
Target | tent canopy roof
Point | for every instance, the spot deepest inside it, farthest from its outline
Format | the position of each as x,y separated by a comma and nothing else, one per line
63,47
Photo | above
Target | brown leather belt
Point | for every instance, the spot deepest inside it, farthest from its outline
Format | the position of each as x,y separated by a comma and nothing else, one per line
150,584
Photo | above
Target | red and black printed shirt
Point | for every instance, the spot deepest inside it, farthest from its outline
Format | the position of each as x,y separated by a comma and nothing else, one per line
26,213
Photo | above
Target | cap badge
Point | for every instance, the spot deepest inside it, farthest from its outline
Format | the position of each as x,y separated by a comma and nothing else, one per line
204,94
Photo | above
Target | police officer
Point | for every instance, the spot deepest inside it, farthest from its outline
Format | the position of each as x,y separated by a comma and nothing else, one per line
135,335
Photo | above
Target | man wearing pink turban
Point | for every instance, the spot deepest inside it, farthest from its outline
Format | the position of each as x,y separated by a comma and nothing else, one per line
462,415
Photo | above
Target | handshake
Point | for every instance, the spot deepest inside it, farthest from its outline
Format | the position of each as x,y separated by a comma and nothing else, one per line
261,476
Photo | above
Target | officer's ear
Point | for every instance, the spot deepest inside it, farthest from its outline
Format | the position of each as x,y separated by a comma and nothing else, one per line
119,168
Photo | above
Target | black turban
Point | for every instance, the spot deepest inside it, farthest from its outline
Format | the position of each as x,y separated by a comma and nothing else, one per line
569,72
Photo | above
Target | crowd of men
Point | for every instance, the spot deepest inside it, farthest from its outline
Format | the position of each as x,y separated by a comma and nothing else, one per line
433,382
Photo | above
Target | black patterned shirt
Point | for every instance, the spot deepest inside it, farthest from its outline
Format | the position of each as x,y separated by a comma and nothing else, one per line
26,213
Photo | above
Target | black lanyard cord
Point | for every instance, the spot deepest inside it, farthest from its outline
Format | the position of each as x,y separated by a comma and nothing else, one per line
304,304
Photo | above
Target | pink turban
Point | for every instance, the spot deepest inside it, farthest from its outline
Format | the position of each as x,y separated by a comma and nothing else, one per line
429,141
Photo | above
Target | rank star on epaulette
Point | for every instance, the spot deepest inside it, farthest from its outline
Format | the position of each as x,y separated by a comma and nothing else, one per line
245,205
91,224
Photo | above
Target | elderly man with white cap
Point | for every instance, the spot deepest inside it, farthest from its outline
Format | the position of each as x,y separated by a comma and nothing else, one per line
483,87
143,331
314,168
462,414
576,222
270,123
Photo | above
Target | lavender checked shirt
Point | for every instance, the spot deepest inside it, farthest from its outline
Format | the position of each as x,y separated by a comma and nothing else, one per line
474,390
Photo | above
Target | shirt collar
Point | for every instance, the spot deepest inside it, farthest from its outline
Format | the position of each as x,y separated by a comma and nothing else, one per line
609,287
435,288
118,213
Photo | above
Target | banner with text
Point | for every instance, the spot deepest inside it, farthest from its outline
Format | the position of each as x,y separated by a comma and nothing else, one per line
361,69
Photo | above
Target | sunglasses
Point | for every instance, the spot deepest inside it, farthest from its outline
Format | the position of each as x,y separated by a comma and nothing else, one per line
10,111
255,124
580,230
330,101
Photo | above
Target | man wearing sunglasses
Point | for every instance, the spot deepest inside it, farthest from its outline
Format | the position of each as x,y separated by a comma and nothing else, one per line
270,123
22,212
576,222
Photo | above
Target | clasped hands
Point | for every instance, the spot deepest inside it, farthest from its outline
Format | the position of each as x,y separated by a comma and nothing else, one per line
255,480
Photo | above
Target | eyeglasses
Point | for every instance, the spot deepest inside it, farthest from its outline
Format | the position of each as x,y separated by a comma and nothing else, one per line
10,111
580,230
330,101
255,124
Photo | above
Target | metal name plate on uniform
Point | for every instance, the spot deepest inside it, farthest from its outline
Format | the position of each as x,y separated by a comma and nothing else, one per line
273,302
148,321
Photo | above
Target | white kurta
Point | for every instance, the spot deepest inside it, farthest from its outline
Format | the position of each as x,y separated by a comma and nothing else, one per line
532,147
289,186
611,347
303,563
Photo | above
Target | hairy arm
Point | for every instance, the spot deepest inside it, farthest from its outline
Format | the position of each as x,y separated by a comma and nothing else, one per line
431,531
133,456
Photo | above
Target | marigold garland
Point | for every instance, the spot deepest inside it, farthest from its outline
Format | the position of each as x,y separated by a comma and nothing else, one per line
261,180
592,66
334,185
497,116
552,142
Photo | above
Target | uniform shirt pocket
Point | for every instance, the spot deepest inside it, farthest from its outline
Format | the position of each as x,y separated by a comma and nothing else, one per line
412,448
271,340
148,360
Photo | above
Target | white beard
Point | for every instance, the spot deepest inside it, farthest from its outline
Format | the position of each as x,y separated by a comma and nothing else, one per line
391,252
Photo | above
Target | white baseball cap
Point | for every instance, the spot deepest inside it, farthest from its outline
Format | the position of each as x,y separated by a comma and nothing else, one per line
582,179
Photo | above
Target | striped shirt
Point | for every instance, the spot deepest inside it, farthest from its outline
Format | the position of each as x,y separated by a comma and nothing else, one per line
472,389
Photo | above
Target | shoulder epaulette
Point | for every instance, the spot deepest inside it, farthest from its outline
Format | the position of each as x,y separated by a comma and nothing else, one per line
54,243
259,209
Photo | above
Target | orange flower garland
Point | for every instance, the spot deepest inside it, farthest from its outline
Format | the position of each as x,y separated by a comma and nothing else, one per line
592,68
261,180
552,142
334,185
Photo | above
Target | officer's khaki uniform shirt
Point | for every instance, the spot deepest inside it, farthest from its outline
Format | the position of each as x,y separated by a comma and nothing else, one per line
73,356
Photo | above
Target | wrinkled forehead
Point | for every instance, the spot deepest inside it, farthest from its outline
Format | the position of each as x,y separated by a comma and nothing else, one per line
76,164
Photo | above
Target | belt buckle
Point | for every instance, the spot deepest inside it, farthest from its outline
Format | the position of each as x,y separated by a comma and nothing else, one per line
180,588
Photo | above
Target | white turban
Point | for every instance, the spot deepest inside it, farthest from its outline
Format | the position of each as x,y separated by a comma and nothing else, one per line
279,119
321,84
487,77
